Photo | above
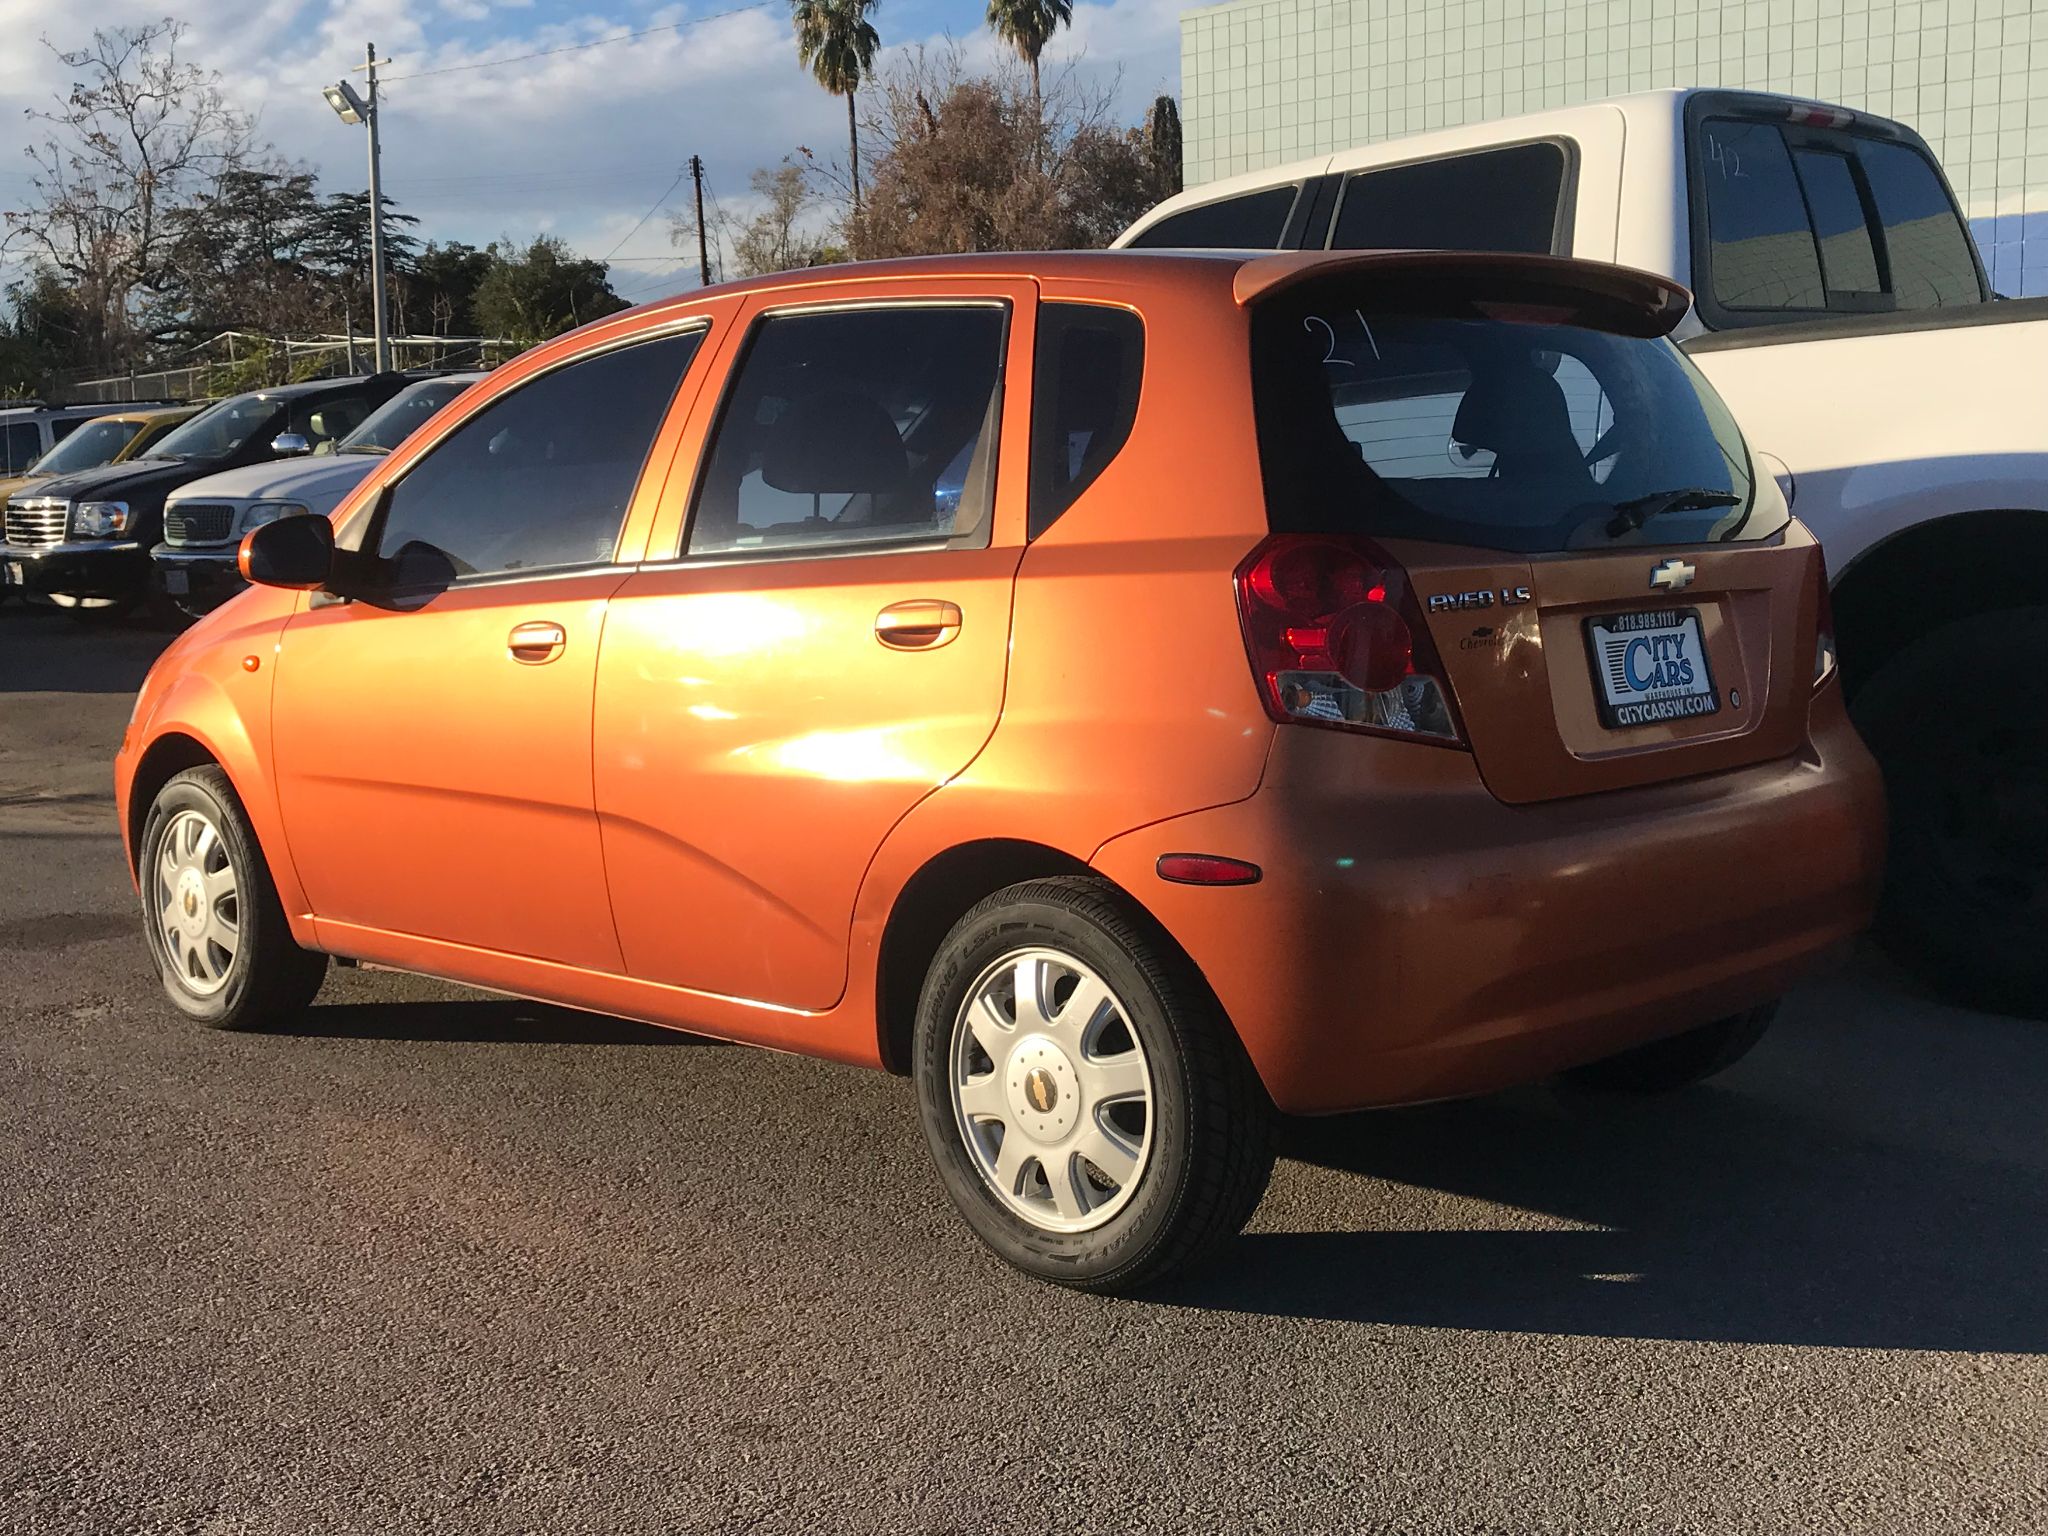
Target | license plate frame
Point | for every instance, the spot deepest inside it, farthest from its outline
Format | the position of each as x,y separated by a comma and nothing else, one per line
1664,706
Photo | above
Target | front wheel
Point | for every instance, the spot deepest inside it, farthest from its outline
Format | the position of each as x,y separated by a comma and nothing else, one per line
1089,1109
1965,761
216,930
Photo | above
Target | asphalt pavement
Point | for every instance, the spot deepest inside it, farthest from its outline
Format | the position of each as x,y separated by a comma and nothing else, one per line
434,1261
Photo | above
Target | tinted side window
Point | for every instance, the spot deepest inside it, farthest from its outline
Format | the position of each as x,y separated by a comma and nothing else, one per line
540,478
1498,200
1761,247
1848,261
64,426
1929,250
1084,398
327,419
856,426
1253,222
21,444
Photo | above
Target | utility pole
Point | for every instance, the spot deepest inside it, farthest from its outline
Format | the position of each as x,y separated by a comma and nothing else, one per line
377,319
703,250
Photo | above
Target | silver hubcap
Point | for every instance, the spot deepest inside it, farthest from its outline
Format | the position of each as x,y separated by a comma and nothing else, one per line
198,903
1051,1091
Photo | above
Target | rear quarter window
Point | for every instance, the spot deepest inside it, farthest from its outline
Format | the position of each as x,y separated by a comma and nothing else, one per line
1510,199
1252,222
1089,364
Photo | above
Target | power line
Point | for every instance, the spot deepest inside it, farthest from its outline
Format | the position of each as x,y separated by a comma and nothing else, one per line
548,53
629,234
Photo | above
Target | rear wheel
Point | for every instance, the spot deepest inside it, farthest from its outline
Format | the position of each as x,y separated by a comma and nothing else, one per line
216,930
1090,1112
1965,762
1679,1061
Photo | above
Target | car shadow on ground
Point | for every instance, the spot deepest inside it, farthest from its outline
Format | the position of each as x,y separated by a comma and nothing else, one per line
489,1021
1774,1209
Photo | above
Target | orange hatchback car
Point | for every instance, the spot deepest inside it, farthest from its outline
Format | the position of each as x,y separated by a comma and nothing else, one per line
1130,693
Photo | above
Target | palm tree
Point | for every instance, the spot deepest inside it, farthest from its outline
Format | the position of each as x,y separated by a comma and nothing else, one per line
1027,26
837,43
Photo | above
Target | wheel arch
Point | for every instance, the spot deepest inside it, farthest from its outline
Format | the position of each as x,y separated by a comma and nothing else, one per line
932,900
165,758
1932,574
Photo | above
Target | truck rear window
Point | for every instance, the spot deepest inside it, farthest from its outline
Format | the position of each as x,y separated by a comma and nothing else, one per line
1819,220
1488,425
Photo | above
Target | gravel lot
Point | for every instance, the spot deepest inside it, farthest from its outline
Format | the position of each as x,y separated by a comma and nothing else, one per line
441,1262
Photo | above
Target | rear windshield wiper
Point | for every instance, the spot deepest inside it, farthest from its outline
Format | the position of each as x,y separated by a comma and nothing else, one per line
1632,514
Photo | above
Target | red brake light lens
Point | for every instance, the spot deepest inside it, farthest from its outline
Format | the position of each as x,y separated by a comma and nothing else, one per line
1335,639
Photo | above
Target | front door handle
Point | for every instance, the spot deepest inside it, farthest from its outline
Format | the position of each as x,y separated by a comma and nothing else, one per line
918,624
535,642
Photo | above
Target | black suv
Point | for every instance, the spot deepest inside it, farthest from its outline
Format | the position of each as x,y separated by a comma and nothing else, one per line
83,540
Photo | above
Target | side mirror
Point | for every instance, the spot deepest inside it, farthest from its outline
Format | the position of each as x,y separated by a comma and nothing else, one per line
294,552
290,445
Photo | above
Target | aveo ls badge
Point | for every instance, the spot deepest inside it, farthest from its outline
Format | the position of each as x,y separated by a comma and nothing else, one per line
1452,602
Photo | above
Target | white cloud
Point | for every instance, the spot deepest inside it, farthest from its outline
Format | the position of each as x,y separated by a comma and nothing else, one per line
580,143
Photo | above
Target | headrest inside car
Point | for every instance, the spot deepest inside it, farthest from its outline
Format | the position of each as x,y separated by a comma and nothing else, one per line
834,441
1515,408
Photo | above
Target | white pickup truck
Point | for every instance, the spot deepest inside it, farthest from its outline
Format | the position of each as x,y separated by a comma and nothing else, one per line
1842,311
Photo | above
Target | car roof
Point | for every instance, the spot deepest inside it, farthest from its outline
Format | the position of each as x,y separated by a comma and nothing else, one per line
1021,265
1246,275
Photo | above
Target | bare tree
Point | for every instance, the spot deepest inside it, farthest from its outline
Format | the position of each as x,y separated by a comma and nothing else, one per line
988,162
787,229
139,132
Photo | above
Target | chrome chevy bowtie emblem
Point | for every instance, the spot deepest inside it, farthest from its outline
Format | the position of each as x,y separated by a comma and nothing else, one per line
1672,575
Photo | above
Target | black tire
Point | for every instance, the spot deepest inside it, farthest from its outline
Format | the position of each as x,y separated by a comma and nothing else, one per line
1679,1061
1965,761
1210,1122
269,980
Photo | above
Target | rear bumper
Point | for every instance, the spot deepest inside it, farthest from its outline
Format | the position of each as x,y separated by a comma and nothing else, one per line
199,578
1414,938
99,568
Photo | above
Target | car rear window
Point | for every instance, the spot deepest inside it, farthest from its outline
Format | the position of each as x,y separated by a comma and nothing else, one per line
1490,425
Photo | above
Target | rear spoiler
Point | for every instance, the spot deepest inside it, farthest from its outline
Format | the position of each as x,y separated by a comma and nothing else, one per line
1557,290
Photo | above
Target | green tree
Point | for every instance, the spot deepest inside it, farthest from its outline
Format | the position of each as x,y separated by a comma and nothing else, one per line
1027,26
438,291
244,255
531,294
1163,147
341,247
836,42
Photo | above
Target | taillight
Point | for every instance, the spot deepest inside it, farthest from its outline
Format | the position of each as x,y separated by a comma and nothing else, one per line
1335,638
1824,625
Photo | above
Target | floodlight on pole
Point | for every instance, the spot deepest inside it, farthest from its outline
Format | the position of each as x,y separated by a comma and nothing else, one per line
348,106
351,108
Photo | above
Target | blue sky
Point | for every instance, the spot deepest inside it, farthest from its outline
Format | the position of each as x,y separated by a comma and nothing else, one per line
579,144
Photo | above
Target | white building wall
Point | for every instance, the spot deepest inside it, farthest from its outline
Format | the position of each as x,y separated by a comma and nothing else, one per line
1268,81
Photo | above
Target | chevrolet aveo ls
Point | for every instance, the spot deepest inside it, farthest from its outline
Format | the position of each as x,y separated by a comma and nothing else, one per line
1131,694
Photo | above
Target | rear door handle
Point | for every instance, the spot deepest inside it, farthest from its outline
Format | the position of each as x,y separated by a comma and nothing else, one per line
535,642
917,624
